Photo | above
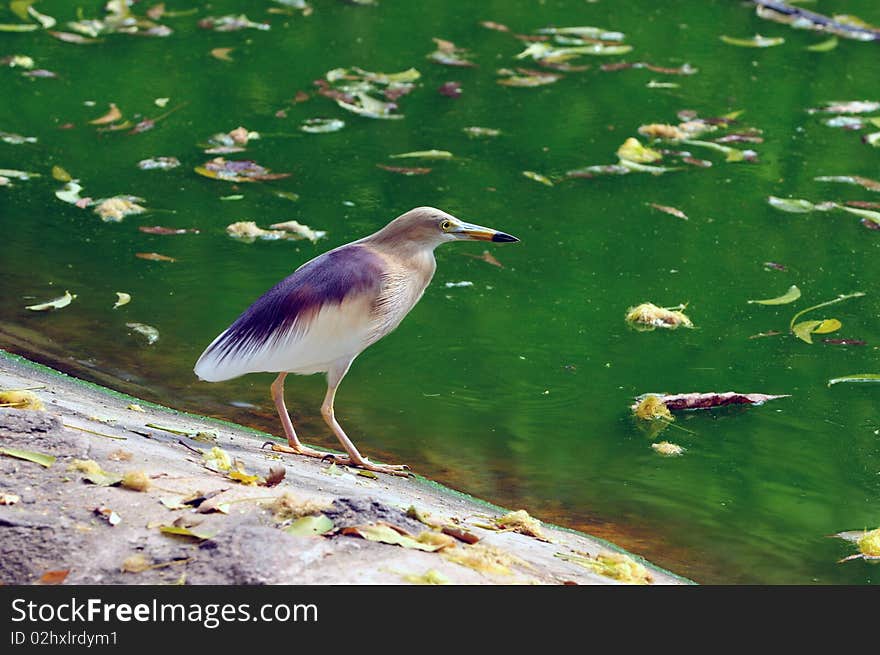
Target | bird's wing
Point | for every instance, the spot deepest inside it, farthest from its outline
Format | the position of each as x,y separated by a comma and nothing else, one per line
284,315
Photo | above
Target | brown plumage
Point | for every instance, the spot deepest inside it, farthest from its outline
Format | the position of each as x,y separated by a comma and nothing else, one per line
332,308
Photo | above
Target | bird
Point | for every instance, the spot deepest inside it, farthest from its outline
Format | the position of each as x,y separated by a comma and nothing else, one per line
333,307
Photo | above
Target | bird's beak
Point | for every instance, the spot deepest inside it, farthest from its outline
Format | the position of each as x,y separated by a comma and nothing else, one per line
480,233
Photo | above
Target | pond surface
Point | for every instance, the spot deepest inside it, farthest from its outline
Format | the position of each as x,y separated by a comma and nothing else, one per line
517,388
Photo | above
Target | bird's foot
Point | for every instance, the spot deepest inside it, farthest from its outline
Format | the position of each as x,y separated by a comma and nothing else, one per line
401,470
301,450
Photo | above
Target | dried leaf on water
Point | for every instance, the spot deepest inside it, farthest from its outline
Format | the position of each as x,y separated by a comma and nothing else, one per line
824,46
154,257
867,183
858,377
667,449
526,78
690,401
322,125
450,89
230,23
160,163
847,107
756,41
147,331
789,296
158,229
672,211
57,303
405,170
612,565
70,37
297,230
481,132
867,541
37,458
122,298
237,171
248,232
448,54
648,316
60,174
537,177
113,210
222,54
110,117
632,150
423,154
309,526
651,407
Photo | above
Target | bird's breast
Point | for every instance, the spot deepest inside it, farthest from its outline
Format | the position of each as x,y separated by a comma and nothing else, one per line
403,283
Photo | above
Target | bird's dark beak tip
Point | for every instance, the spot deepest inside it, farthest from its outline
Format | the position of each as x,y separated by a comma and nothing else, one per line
504,238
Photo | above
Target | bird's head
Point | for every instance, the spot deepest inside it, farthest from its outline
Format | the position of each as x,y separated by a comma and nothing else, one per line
430,227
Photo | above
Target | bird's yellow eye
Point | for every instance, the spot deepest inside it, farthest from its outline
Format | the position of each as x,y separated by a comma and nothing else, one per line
446,225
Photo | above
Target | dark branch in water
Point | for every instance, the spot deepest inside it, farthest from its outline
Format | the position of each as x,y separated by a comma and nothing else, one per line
802,18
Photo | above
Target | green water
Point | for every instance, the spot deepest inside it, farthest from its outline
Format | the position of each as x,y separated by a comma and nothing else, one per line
517,388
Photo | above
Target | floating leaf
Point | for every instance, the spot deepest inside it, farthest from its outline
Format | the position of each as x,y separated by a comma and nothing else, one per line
792,205
648,316
158,229
248,232
70,193
841,298
231,23
309,526
804,329
633,151
667,449
154,257
858,377
481,132
405,170
19,27
57,303
449,55
789,296
222,54
824,46
527,78
672,211
867,183
424,154
450,89
298,230
161,163
688,401
37,458
60,174
110,117
148,331
113,210
848,107
322,125
537,177
122,298
756,41
237,171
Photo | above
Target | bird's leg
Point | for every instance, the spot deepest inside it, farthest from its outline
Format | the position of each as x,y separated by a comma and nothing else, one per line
295,446
334,377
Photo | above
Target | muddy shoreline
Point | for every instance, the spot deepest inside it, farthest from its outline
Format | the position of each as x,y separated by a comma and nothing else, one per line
54,525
